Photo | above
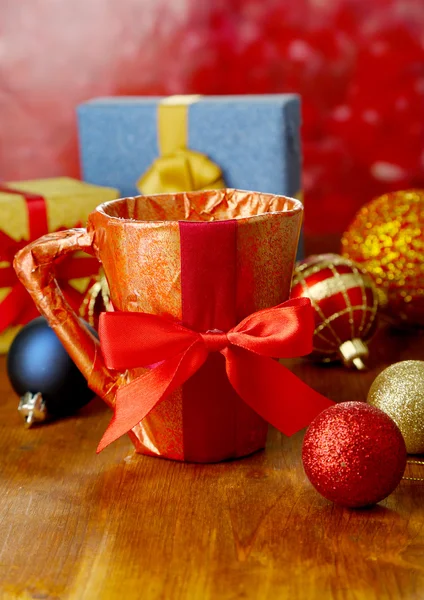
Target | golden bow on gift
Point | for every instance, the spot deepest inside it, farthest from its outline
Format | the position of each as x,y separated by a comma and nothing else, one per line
183,171
178,168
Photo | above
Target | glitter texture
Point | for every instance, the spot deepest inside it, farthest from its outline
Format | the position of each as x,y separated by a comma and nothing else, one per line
399,392
386,238
344,301
354,454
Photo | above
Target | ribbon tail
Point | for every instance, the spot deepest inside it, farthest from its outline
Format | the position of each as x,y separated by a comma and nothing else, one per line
273,391
73,296
7,276
13,305
137,399
77,267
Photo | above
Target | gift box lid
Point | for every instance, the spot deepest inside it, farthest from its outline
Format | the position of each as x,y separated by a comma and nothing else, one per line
68,203
254,139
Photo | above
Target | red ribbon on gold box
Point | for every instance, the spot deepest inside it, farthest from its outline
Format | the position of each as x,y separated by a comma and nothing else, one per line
28,210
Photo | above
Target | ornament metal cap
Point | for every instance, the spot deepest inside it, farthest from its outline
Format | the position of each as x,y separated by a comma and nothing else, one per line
32,408
352,353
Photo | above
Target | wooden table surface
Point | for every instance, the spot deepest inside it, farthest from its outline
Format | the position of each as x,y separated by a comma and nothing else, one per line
74,525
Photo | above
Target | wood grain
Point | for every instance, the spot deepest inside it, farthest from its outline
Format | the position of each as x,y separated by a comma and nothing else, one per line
74,525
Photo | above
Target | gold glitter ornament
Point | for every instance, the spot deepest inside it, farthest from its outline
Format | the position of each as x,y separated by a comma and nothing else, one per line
399,392
386,238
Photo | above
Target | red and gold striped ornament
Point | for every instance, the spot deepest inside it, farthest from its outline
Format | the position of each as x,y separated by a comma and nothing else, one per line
345,304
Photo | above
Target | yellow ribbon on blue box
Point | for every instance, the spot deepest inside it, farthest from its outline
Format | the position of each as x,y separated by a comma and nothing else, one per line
178,168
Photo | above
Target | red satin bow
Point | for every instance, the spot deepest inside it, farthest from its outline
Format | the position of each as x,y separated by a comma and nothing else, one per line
129,340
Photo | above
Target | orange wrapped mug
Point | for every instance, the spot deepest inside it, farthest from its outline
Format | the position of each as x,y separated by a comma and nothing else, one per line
205,260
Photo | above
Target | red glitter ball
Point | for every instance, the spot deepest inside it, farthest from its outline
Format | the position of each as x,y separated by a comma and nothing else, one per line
354,454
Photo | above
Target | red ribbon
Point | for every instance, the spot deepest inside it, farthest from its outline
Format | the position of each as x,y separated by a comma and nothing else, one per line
18,300
18,306
130,340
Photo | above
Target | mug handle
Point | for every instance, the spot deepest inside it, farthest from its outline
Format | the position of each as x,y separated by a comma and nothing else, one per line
34,266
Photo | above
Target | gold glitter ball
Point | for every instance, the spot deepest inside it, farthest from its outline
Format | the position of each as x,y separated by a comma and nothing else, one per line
399,392
386,238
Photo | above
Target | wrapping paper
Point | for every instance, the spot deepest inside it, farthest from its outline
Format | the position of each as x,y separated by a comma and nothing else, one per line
44,205
155,263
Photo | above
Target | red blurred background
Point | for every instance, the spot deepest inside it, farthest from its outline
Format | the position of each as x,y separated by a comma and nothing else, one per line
358,64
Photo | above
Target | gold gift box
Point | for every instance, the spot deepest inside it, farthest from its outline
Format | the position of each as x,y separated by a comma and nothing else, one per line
68,204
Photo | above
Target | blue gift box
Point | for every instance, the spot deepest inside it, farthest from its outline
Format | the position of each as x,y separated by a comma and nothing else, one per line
255,140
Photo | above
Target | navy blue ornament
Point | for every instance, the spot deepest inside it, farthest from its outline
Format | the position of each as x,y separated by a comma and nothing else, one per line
43,374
